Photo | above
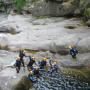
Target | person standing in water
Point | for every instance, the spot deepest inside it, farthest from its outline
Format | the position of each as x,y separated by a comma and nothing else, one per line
73,51
18,64
21,55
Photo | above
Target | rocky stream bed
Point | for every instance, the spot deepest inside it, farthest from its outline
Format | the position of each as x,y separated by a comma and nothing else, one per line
39,36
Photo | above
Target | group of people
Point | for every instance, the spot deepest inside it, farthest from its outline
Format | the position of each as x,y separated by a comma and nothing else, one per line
34,66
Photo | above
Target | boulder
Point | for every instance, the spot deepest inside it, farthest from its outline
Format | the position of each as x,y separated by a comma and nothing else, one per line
55,7
8,29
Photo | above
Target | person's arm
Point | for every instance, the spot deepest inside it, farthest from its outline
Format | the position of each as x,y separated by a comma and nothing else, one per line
30,58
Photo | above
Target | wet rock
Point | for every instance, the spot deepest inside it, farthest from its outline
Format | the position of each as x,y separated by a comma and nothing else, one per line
0,88
8,29
3,40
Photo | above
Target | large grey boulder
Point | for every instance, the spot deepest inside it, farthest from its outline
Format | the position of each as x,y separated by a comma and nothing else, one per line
55,7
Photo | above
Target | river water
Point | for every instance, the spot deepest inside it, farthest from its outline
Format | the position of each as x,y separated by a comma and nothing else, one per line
57,81
60,82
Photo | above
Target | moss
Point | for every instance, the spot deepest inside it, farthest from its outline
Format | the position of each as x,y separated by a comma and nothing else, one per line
87,12
23,84
31,51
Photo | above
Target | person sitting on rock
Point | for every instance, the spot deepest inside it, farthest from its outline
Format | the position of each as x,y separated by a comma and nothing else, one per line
73,51
18,64
31,62
43,63
31,76
21,55
36,72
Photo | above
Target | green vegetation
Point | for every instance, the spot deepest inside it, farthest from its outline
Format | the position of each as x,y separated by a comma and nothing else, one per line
87,13
19,4
31,51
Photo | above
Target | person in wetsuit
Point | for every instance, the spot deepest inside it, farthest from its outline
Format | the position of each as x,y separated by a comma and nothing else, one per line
18,64
73,52
21,55
43,63
31,62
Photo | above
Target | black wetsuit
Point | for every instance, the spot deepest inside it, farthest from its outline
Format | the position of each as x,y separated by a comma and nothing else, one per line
42,64
73,52
18,64
21,55
30,64
36,72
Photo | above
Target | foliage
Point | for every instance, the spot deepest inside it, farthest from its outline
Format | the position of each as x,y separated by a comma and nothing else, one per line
19,4
87,12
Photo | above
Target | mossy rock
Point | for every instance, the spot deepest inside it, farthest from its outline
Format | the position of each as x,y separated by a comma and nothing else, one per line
23,84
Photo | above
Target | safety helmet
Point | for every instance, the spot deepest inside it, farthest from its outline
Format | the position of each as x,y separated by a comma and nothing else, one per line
31,72
45,59
18,58
54,62
33,57
70,47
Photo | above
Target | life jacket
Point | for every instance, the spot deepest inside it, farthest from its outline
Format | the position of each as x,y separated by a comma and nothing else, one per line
36,71
43,63
73,51
18,63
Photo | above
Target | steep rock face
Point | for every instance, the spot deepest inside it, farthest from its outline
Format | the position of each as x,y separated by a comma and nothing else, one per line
59,7
55,7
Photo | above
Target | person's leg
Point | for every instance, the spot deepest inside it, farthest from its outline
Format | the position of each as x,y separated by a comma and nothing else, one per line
17,69
74,56
23,63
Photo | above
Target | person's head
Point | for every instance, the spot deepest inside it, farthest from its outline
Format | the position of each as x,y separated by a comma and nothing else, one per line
17,58
70,47
33,58
22,50
29,69
54,63
45,59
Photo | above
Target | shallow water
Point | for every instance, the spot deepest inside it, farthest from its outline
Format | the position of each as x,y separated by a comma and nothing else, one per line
60,82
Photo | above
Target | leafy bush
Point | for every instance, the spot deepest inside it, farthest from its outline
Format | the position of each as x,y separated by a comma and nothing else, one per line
19,4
